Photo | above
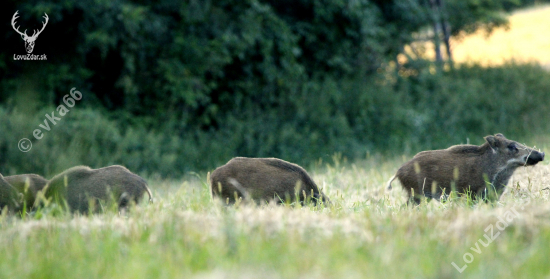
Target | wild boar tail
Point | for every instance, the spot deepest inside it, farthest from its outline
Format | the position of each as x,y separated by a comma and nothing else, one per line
389,182
149,193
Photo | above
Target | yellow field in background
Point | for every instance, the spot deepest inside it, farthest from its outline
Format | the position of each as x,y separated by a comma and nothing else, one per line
528,39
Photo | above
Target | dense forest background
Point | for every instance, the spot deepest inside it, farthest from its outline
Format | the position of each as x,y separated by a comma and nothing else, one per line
176,86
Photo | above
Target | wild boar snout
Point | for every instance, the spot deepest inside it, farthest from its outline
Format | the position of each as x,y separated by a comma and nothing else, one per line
535,157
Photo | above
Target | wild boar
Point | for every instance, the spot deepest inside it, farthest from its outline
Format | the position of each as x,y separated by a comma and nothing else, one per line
8,196
263,179
481,171
28,185
80,186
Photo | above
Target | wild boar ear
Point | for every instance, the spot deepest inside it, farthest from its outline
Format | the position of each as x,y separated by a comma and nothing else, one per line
500,135
493,142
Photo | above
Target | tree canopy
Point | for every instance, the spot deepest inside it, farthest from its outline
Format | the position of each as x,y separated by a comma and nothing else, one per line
264,77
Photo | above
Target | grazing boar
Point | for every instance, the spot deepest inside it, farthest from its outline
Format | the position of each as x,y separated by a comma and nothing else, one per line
263,179
28,185
81,186
481,171
8,196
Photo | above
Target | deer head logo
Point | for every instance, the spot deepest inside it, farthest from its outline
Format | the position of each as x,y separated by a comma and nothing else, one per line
29,41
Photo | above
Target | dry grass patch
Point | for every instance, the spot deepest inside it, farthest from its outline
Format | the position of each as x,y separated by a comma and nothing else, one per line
366,232
525,40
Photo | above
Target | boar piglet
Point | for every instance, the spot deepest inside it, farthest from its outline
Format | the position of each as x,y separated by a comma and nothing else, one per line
81,186
9,197
481,171
27,185
263,179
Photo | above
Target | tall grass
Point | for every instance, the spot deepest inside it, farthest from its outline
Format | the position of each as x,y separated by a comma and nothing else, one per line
367,232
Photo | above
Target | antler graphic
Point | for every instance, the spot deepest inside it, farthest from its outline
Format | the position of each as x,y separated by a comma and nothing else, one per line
15,16
29,40
43,25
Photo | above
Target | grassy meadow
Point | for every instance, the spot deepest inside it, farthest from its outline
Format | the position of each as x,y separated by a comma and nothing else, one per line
523,41
367,232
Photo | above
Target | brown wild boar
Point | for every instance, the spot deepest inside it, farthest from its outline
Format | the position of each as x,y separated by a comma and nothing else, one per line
481,171
263,179
79,186
28,185
8,196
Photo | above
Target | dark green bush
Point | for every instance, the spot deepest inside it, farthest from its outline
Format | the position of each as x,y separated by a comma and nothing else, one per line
472,101
352,117
177,86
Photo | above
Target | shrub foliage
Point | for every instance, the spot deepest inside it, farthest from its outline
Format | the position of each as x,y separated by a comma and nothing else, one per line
174,86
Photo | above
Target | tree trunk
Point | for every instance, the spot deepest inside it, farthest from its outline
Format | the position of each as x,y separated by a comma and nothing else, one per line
437,31
446,29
